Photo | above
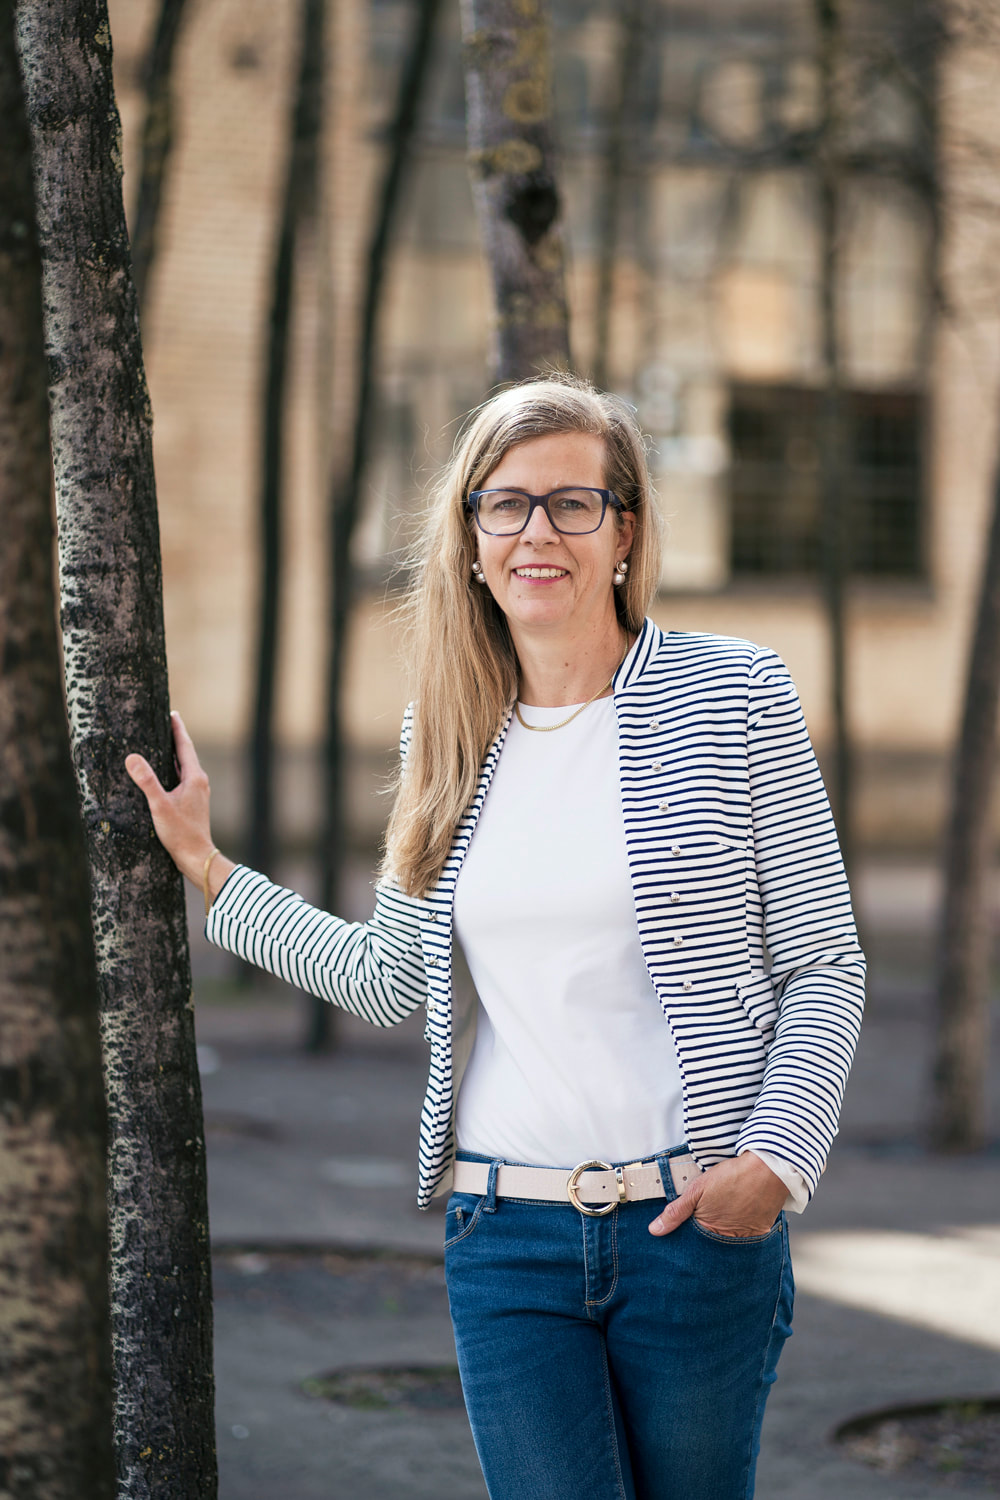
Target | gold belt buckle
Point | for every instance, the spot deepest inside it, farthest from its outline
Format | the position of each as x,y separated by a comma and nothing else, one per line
573,1184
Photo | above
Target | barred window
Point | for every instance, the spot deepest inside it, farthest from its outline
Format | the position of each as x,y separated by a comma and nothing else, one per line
774,434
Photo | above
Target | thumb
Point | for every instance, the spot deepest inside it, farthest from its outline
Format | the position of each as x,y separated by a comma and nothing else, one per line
675,1213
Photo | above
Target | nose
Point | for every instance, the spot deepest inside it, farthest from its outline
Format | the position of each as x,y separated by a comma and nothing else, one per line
539,527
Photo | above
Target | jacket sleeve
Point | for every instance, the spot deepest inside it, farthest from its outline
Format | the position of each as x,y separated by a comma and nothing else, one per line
373,969
817,967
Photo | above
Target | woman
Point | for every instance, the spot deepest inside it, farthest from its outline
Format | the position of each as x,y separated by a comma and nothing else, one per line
605,816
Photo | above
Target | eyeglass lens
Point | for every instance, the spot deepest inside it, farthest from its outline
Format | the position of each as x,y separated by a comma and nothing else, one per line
502,512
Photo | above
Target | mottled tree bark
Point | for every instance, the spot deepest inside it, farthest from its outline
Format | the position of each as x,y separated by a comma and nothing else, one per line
958,1117
347,493
613,186
298,201
116,684
55,1340
157,144
835,468
508,80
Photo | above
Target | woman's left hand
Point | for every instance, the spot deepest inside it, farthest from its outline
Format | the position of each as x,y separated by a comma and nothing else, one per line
740,1198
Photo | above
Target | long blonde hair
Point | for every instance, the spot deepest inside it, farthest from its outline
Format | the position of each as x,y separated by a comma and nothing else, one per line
463,664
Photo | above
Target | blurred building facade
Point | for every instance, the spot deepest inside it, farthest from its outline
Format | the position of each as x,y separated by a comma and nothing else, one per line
714,335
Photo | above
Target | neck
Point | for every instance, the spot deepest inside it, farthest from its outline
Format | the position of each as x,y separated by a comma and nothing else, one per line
557,670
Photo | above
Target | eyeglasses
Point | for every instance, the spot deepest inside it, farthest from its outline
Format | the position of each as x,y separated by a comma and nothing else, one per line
573,511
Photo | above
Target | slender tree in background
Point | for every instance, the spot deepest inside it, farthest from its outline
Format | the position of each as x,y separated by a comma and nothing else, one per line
958,1119
117,692
157,144
508,83
961,1057
298,203
834,464
55,1337
346,495
613,187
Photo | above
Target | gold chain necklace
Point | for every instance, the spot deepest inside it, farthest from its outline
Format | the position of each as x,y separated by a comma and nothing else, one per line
548,728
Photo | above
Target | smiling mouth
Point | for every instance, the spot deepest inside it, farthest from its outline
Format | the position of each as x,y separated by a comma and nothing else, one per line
540,573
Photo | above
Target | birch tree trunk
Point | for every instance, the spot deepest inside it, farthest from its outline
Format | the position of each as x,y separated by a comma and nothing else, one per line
347,489
55,1342
157,144
116,683
835,468
508,84
298,200
958,1116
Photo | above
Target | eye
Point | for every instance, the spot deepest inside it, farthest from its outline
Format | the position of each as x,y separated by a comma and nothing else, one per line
502,503
576,502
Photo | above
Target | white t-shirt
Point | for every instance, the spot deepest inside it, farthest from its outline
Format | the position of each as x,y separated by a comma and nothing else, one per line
573,1058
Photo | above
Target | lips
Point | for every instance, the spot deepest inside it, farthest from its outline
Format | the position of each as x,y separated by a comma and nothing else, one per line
540,573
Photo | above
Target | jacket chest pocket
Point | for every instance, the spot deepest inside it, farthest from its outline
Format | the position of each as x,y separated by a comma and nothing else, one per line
702,861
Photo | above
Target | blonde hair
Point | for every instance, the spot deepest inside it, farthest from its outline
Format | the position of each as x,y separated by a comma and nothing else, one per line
464,667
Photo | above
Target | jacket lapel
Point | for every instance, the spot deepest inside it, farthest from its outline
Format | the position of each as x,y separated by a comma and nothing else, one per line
441,899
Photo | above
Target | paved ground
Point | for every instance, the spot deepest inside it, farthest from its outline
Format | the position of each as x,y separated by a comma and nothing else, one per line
324,1265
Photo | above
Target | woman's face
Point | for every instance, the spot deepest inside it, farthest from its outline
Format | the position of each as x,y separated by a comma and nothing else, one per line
541,578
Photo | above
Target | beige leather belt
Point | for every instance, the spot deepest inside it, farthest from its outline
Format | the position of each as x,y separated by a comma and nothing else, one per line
591,1182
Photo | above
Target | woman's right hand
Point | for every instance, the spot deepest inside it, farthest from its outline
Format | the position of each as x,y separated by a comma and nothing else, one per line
181,817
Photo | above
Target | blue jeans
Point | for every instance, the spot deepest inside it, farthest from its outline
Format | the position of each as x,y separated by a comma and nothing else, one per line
600,1362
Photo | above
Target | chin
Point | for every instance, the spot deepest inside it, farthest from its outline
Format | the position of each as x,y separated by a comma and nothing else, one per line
538,612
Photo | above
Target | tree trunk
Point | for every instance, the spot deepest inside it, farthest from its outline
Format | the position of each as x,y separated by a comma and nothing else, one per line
298,201
157,144
55,1399
116,684
958,1117
835,469
508,82
629,57
346,499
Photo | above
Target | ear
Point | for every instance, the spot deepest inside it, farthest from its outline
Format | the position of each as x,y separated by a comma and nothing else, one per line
626,535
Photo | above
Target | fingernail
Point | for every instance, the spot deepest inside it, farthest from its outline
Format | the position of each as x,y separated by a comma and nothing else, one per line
656,1227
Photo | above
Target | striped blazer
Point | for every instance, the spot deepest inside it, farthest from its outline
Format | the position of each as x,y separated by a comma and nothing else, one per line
743,912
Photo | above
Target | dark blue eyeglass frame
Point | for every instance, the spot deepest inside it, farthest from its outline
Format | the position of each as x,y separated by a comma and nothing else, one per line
608,497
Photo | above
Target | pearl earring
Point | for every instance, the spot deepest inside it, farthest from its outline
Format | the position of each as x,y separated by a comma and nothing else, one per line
477,572
620,570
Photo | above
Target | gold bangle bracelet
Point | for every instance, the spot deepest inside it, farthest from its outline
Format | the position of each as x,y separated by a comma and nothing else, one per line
204,880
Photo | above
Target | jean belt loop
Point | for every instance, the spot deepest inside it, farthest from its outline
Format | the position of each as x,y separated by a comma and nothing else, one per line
490,1202
663,1162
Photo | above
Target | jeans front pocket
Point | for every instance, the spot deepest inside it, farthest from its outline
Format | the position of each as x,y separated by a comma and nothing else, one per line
462,1214
739,1239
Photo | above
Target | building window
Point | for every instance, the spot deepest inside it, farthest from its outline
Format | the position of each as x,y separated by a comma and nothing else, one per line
774,436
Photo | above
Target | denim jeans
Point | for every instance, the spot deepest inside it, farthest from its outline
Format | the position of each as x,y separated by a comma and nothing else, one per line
600,1362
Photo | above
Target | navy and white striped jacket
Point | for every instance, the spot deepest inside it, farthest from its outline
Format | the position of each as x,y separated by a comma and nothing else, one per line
729,838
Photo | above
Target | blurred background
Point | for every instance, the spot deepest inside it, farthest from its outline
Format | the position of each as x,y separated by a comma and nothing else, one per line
713,331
